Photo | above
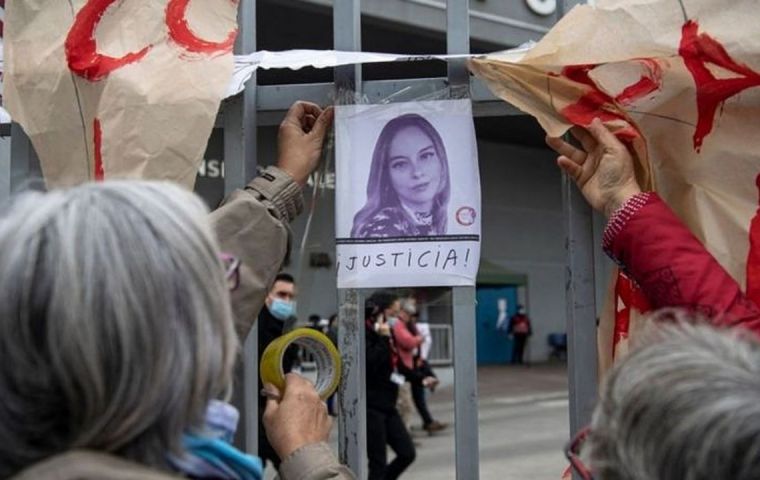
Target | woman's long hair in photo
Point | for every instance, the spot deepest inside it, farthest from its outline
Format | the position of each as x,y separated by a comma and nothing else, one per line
380,191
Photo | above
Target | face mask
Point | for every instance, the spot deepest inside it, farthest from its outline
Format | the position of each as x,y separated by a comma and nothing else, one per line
210,454
392,321
282,309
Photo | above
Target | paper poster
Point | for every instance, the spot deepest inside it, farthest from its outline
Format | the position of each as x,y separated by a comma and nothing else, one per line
408,195
679,81
118,89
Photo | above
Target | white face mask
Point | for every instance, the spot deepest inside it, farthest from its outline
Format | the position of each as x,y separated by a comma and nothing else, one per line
392,321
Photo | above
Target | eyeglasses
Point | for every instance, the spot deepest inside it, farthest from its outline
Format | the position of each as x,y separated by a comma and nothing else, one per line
231,270
572,452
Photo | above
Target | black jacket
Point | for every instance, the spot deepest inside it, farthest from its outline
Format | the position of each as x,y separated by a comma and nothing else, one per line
382,393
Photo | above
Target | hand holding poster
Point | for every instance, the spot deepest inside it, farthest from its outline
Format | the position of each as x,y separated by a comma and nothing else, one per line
408,195
109,89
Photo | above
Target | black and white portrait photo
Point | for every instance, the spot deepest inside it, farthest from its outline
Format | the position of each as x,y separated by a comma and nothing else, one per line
407,177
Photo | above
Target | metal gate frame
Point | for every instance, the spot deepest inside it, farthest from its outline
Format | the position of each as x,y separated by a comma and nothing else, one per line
265,105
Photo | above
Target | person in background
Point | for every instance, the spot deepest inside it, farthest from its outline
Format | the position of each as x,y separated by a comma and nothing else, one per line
429,378
332,329
313,322
520,330
279,310
408,341
383,379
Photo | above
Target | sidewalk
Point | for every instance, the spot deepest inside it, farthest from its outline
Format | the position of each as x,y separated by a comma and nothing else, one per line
523,424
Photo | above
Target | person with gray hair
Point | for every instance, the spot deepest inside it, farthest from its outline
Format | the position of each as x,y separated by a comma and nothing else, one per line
683,405
117,339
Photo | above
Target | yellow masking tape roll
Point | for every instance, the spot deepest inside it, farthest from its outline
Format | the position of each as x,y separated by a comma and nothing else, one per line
325,355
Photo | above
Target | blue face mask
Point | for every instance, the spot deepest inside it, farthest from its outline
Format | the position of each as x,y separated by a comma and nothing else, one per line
208,454
282,309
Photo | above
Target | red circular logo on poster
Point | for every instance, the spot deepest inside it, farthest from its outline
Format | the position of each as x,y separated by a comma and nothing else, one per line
466,216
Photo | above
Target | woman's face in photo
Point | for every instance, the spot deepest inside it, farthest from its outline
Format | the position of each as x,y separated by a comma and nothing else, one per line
414,167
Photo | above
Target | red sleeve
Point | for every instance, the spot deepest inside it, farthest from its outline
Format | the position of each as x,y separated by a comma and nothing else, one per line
404,338
672,267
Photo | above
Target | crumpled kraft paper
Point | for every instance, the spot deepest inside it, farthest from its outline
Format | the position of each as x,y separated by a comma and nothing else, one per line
118,89
679,81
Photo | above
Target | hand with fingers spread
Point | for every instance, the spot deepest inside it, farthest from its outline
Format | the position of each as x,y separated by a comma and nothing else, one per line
295,417
300,139
602,169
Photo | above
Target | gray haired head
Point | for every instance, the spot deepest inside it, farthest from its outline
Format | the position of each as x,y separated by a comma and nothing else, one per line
115,323
684,406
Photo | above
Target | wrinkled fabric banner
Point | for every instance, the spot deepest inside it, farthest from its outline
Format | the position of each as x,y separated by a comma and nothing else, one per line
678,82
118,89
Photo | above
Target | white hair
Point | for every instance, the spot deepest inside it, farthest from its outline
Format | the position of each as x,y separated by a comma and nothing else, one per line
686,405
115,322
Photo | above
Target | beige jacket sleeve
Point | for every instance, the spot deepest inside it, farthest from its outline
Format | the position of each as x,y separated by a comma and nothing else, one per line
314,462
252,224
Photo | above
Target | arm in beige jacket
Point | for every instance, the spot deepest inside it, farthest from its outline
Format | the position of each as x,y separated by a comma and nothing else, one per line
252,224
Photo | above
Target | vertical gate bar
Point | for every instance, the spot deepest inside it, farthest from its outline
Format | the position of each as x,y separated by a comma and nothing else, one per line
239,169
465,384
581,299
465,367
352,396
21,159
347,35
5,168
581,306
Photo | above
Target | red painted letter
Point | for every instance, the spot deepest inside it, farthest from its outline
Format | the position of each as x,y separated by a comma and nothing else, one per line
598,104
97,134
179,31
697,51
753,259
82,49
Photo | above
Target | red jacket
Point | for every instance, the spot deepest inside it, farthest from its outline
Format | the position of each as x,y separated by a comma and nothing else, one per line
672,267
406,342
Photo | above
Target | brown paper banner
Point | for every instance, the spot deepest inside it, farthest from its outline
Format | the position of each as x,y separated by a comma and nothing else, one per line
118,89
680,83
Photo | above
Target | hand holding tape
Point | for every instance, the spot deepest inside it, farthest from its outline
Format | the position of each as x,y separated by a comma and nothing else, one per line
325,354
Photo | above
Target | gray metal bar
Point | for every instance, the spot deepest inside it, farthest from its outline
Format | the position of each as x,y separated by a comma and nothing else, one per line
581,306
239,169
580,296
352,396
277,98
580,291
240,112
465,384
465,367
458,39
5,168
347,32
23,161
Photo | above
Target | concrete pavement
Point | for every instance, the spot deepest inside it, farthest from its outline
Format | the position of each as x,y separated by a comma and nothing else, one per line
523,424
523,414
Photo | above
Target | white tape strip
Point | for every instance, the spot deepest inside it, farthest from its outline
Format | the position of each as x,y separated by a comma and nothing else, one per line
245,65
